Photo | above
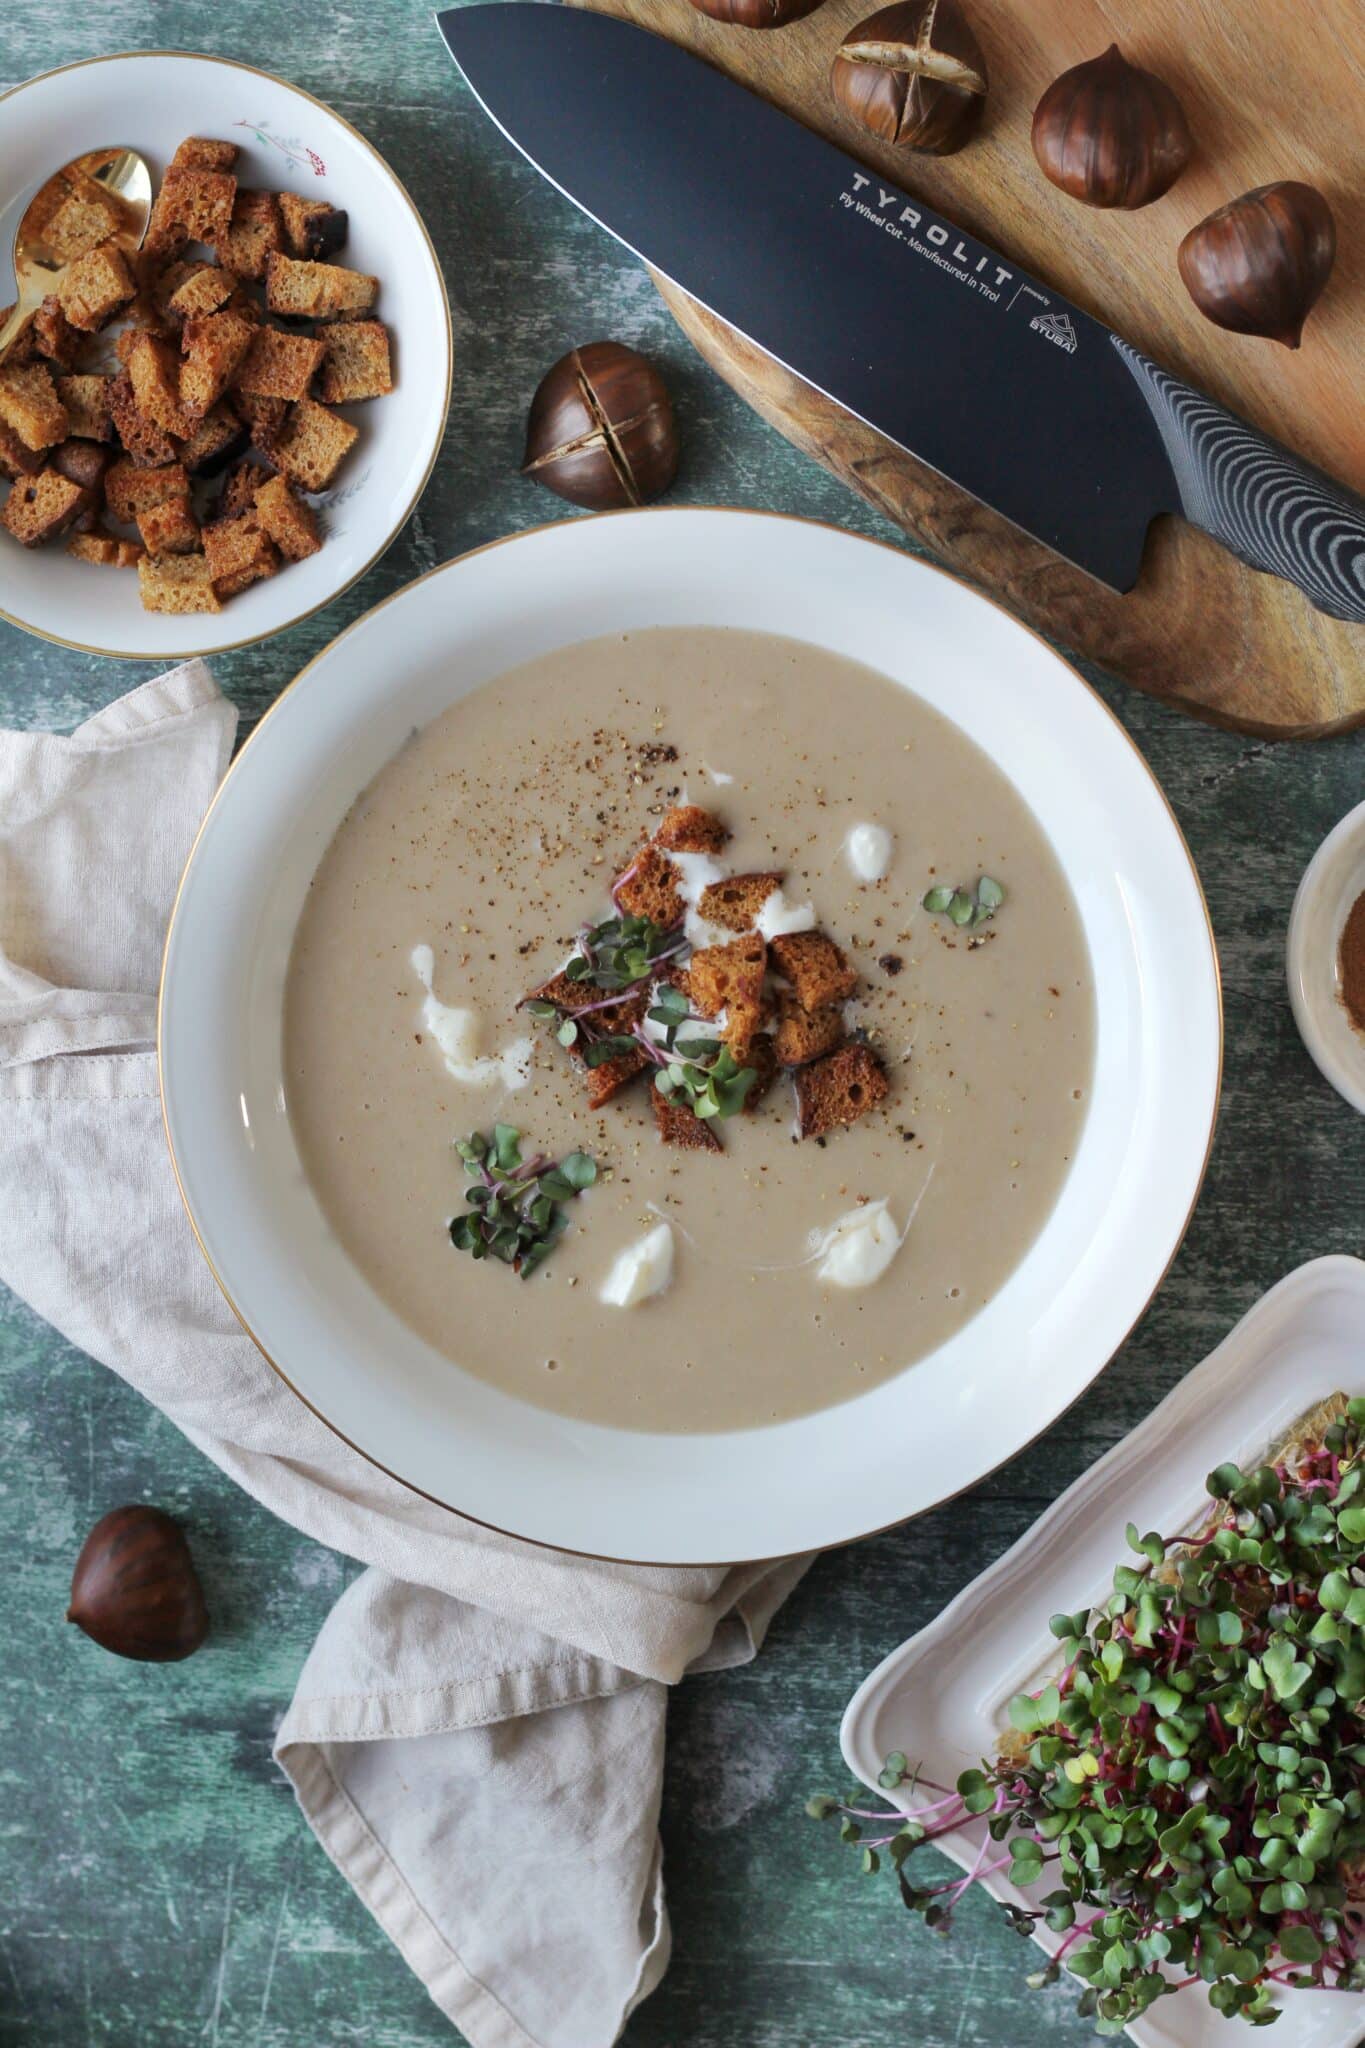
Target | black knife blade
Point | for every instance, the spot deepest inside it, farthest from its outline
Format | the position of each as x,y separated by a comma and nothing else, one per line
947,347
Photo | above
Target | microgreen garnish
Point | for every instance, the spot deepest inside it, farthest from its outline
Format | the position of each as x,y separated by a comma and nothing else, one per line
515,1210
622,952
1192,1784
700,1071
966,906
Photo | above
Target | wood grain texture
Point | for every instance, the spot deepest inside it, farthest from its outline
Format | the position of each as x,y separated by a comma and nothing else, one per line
158,1888
1200,630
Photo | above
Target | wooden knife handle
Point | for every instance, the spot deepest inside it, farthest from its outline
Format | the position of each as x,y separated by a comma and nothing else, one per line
1267,507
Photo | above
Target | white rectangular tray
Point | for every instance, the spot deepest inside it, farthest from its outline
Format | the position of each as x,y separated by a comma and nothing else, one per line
941,1697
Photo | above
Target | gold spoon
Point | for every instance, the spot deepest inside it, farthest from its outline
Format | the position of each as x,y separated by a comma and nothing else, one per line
120,174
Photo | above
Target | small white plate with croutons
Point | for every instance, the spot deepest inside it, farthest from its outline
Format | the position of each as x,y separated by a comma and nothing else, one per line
283,334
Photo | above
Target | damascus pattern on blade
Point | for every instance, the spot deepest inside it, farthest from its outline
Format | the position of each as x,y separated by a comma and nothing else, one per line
1273,511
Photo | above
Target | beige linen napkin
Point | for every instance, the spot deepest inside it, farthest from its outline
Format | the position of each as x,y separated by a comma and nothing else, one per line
477,1735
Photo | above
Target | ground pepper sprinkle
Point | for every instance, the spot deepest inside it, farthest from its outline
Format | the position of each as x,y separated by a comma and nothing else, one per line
1351,960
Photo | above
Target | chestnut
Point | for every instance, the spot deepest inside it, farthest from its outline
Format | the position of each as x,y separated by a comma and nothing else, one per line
913,75
1111,134
135,1590
1259,264
601,431
756,13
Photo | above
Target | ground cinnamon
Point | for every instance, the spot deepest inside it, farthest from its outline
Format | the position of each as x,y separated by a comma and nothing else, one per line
1351,958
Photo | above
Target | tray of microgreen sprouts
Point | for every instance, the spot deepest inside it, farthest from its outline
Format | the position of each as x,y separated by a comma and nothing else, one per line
1181,1804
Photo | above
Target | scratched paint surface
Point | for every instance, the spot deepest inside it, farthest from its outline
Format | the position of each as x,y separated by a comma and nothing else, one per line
156,1886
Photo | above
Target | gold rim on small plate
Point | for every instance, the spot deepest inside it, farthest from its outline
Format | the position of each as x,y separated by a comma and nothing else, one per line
853,1535
285,625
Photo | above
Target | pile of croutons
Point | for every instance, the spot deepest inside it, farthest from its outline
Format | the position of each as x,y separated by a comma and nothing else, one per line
778,1003
230,359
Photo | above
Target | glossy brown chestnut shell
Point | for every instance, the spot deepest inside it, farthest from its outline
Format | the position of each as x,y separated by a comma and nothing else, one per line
1259,264
601,431
135,1590
1111,134
914,75
756,13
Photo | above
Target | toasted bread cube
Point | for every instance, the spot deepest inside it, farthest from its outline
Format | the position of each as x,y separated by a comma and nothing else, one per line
678,1124
87,406
730,978
40,507
263,417
278,365
154,371
618,1020
170,528
805,1035
238,494
255,235
238,553
649,888
93,288
205,289
204,153
24,347
194,203
16,459
83,462
612,1076
130,489
301,290
183,290
734,904
815,967
723,977
176,583
30,406
291,523
311,444
217,437
838,1089
686,828
148,444
104,548
54,336
567,995
86,216
356,364
312,228
213,349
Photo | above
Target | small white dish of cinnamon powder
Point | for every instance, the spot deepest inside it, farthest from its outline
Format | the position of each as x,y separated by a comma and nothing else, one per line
1326,958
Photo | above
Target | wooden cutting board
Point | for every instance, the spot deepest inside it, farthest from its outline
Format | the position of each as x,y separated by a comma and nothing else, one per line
1272,89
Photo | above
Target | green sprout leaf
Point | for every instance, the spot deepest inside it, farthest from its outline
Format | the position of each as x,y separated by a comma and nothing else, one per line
965,907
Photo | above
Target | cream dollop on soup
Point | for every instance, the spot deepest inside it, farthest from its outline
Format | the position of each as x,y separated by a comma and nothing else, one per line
824,1123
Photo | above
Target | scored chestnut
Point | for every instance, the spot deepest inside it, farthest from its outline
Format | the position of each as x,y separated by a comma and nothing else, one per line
756,13
135,1590
1259,264
913,74
601,431
1110,133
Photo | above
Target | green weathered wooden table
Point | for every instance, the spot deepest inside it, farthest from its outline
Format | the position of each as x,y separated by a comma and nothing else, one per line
156,1884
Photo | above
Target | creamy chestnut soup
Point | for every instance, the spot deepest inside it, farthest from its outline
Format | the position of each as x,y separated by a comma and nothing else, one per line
693,1289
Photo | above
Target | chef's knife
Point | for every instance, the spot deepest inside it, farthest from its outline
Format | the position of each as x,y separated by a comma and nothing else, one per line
930,336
